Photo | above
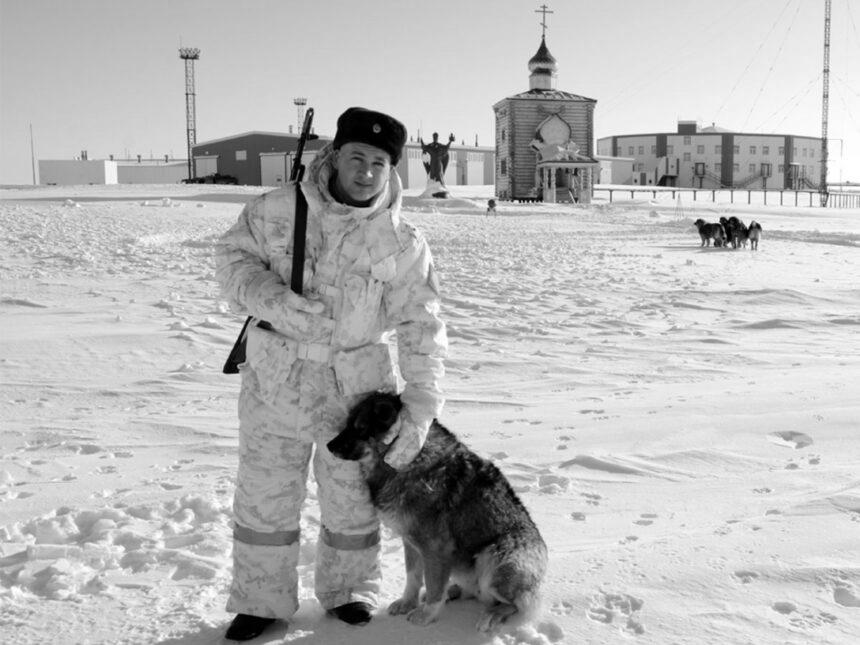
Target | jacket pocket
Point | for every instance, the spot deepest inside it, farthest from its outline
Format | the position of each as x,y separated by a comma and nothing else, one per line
272,357
366,369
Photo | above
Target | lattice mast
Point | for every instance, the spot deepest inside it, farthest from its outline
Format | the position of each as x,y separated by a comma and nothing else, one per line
189,55
825,104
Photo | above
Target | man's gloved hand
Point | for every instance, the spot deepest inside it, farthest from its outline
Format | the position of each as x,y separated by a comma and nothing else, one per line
408,439
300,303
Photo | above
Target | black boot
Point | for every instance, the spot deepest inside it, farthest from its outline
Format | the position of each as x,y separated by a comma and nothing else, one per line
353,613
245,627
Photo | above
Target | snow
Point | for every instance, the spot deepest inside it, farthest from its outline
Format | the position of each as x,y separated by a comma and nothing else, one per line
681,421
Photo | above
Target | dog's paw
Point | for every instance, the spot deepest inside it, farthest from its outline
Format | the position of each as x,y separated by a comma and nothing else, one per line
423,614
402,606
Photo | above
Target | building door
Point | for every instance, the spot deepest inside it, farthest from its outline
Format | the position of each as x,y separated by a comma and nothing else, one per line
643,178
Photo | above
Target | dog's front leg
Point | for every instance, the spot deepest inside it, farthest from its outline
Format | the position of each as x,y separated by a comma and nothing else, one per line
437,571
414,580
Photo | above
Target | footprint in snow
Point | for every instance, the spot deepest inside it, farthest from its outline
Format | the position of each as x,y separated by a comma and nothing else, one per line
745,576
790,439
646,519
846,595
611,607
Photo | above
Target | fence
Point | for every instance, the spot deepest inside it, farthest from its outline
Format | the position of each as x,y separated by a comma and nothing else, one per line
834,199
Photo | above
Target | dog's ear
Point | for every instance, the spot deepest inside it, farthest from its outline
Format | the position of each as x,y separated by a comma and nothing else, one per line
386,412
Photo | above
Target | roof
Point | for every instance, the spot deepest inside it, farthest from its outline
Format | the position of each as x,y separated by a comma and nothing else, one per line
550,95
291,135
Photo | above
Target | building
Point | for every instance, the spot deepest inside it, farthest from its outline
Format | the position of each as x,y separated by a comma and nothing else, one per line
713,157
265,159
70,172
544,139
253,158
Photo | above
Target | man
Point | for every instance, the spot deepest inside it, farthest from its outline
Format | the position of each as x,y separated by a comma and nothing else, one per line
367,274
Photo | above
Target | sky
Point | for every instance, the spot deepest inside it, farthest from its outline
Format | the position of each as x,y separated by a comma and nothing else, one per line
105,75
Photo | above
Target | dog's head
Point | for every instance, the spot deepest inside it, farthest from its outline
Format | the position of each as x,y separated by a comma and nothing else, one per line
755,226
699,223
367,424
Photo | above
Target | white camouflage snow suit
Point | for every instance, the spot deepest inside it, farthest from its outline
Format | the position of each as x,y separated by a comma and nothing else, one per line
367,273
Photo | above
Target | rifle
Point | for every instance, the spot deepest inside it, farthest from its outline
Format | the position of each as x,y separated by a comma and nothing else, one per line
237,354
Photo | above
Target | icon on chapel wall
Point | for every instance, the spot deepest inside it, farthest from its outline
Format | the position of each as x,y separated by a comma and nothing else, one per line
553,141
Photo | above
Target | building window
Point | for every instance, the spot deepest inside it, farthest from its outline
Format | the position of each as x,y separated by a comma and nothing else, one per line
687,141
718,167
503,167
641,150
752,150
752,168
718,150
780,169
812,152
765,150
686,156
670,150
241,155
781,151
735,167
794,151
653,150
700,150
630,150
804,152
640,167
737,150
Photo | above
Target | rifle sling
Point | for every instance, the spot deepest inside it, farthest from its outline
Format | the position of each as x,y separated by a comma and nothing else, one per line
300,226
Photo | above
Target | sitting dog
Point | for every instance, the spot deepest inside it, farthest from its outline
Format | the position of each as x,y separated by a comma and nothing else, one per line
708,231
457,514
491,207
754,234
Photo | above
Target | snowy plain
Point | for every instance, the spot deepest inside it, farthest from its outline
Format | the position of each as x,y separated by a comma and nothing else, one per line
682,422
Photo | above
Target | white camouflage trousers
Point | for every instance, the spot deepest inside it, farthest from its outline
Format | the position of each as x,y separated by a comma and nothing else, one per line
278,429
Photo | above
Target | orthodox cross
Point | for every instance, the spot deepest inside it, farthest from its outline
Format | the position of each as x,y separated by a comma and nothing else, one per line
543,9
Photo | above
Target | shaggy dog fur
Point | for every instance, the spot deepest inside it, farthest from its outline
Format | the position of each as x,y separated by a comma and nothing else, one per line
457,514
754,235
708,231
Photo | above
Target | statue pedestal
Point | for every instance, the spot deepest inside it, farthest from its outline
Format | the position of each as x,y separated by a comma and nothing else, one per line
435,189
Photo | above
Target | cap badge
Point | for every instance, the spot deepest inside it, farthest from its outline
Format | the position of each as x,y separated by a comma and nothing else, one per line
377,128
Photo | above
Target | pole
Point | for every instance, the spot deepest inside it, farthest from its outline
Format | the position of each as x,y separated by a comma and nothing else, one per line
32,155
825,103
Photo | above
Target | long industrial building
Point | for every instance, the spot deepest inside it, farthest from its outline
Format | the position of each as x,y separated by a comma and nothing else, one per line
713,157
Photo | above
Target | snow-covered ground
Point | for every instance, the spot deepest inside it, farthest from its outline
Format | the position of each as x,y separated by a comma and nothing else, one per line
682,422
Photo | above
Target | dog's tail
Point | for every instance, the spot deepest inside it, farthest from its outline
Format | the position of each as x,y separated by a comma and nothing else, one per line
512,576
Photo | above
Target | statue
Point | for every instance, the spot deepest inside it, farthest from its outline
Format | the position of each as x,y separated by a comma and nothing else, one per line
435,158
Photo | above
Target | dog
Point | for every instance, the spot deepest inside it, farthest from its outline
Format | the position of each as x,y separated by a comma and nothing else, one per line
458,516
708,231
754,234
491,207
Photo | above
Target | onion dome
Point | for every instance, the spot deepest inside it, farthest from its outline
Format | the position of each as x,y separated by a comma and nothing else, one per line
543,60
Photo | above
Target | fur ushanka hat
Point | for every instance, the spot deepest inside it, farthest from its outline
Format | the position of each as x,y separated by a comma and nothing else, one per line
374,128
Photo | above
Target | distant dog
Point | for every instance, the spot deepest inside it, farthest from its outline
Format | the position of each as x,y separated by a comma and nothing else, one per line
491,207
710,231
754,234
457,514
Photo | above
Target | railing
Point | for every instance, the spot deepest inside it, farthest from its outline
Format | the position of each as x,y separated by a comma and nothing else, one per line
835,199
746,181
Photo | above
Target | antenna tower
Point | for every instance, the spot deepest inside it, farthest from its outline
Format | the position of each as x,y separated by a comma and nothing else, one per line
189,55
825,104
300,103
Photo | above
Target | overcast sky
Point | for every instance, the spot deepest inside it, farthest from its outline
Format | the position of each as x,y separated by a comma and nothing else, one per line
105,75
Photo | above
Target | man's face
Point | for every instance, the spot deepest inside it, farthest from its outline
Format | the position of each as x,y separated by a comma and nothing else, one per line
362,170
